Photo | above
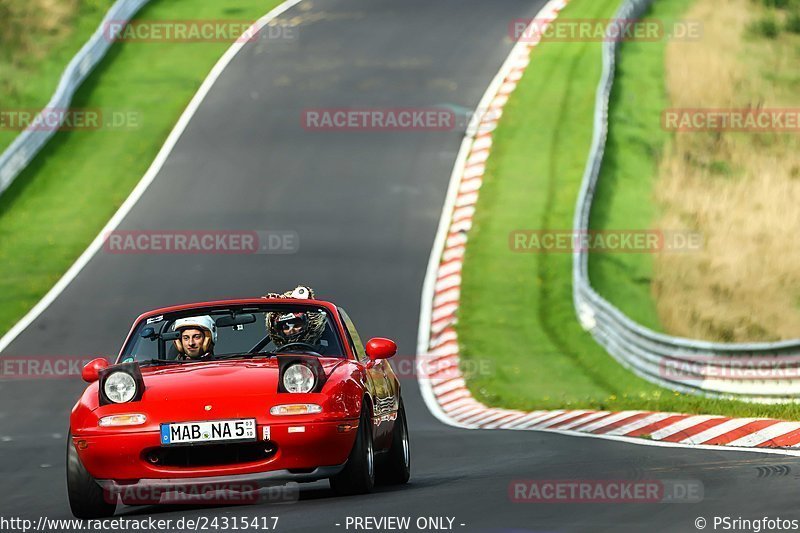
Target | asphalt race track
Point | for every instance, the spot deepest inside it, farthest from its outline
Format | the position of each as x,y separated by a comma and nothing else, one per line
366,206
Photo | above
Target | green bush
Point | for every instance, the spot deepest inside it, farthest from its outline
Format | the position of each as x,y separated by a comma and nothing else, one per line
767,27
793,23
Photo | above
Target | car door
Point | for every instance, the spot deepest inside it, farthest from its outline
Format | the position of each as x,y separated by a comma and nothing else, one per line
383,407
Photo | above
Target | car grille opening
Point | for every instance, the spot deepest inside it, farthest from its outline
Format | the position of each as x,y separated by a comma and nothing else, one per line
211,454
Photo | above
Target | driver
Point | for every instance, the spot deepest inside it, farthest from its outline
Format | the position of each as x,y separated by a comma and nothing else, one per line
306,326
198,337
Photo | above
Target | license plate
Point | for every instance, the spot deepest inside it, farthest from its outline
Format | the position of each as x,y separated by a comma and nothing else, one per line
212,431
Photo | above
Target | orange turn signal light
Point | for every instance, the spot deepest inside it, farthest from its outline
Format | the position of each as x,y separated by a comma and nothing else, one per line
295,409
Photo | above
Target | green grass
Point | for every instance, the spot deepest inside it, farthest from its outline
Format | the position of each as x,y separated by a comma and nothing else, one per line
61,201
780,15
32,60
516,317
623,198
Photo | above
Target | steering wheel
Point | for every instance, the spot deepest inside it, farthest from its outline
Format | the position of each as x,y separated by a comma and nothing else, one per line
310,347
260,346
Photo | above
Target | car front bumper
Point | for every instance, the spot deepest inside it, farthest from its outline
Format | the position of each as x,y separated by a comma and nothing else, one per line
304,451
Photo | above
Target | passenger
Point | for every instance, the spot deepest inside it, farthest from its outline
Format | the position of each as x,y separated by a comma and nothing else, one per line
198,337
295,326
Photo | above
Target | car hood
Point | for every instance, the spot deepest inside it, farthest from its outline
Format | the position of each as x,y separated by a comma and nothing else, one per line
228,379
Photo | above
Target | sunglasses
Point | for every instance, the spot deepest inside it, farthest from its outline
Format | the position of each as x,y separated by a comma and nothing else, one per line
292,324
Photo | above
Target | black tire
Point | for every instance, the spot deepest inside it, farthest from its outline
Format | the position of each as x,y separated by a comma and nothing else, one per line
358,476
86,498
396,468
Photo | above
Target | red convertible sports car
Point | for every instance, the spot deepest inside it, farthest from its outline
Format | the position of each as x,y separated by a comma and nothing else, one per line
265,390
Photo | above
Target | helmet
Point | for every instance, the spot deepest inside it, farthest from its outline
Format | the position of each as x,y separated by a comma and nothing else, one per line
312,322
299,319
204,323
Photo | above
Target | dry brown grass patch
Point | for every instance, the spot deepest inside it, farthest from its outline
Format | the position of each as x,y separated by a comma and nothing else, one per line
740,190
27,25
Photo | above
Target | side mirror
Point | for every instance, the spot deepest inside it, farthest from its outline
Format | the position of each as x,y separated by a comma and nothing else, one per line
90,372
380,348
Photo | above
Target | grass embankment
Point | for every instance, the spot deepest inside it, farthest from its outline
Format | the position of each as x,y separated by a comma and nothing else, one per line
61,201
516,309
739,191
37,40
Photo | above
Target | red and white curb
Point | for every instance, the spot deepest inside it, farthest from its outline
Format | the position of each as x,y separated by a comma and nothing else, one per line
442,385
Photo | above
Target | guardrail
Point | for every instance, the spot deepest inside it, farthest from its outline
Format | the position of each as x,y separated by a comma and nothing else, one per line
758,372
28,143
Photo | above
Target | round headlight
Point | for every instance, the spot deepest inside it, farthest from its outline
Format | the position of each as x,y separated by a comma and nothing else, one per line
120,387
298,378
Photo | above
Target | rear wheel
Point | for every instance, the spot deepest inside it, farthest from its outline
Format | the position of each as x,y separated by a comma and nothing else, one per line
86,498
397,468
358,476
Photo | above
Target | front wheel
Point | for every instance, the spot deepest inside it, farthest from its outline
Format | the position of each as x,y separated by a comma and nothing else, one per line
397,468
358,476
86,498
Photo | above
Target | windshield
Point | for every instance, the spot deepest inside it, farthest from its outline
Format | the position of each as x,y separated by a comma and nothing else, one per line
240,331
